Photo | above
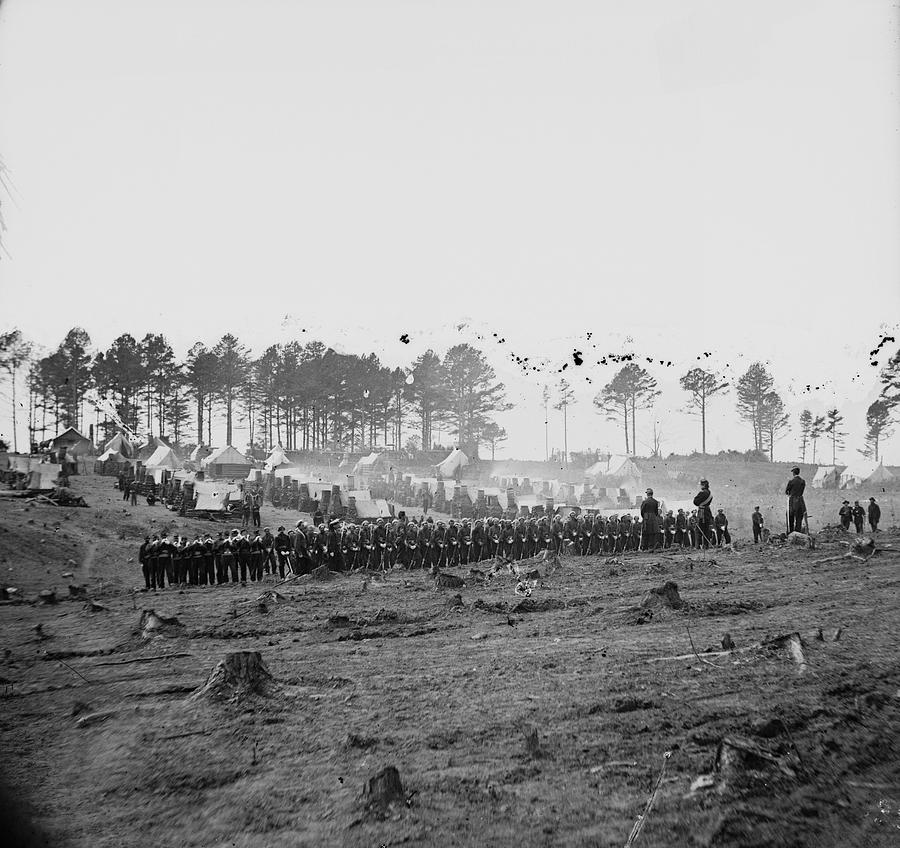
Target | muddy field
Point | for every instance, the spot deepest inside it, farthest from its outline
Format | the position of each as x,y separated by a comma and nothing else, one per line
511,721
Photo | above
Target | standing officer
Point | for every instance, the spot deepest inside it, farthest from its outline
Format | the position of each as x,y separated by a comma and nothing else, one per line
703,501
650,522
796,504
757,520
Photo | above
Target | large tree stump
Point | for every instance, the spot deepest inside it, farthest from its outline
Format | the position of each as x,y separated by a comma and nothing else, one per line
801,540
663,596
383,789
239,674
152,624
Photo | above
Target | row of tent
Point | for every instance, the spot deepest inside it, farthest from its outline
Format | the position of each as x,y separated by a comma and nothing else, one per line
862,472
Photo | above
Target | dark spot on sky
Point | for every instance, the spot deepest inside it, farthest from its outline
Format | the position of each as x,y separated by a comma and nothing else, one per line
576,356
405,338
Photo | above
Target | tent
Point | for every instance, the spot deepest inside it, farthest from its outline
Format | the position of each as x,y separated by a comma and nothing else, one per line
214,496
456,460
369,465
367,507
164,457
153,443
618,472
43,475
74,443
20,464
113,456
276,458
827,477
118,444
864,471
199,453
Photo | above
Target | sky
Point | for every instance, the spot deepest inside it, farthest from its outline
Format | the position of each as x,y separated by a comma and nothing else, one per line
675,180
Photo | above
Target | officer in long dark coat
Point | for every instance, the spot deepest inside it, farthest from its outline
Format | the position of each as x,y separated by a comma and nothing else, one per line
650,517
796,504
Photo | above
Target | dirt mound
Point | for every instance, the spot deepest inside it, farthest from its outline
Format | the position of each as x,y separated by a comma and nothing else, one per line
531,605
239,675
665,596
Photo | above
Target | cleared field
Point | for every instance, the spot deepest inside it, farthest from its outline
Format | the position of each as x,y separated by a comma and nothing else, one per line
511,721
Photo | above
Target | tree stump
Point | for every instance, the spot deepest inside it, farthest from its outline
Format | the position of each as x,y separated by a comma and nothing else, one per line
152,624
663,596
383,789
800,540
239,674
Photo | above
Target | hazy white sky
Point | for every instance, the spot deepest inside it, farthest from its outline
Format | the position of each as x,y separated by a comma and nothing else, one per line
672,178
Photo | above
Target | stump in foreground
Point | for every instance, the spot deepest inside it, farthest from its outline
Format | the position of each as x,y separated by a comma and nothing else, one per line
153,624
663,596
383,789
240,674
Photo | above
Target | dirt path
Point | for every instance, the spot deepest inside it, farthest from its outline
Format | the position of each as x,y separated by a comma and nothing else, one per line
103,741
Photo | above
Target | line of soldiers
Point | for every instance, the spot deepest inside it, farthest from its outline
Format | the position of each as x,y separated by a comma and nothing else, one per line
243,555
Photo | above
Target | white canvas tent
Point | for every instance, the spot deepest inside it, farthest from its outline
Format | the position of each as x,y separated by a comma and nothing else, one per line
118,444
864,472
20,464
827,477
368,465
112,456
163,457
43,475
199,453
367,507
618,472
276,459
226,456
457,459
214,496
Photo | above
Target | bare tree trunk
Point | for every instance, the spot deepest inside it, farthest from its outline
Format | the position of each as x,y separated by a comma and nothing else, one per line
15,433
703,420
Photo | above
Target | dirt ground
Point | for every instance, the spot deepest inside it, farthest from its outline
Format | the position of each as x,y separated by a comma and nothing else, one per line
545,721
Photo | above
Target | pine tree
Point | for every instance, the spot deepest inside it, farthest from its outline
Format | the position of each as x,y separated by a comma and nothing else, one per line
701,385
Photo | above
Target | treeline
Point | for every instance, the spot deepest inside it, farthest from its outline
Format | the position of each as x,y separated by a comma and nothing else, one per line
757,402
303,396
310,397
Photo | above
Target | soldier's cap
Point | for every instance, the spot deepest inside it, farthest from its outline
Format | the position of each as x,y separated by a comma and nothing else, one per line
846,502
380,521
281,529
681,510
872,499
795,469
721,510
649,491
704,482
